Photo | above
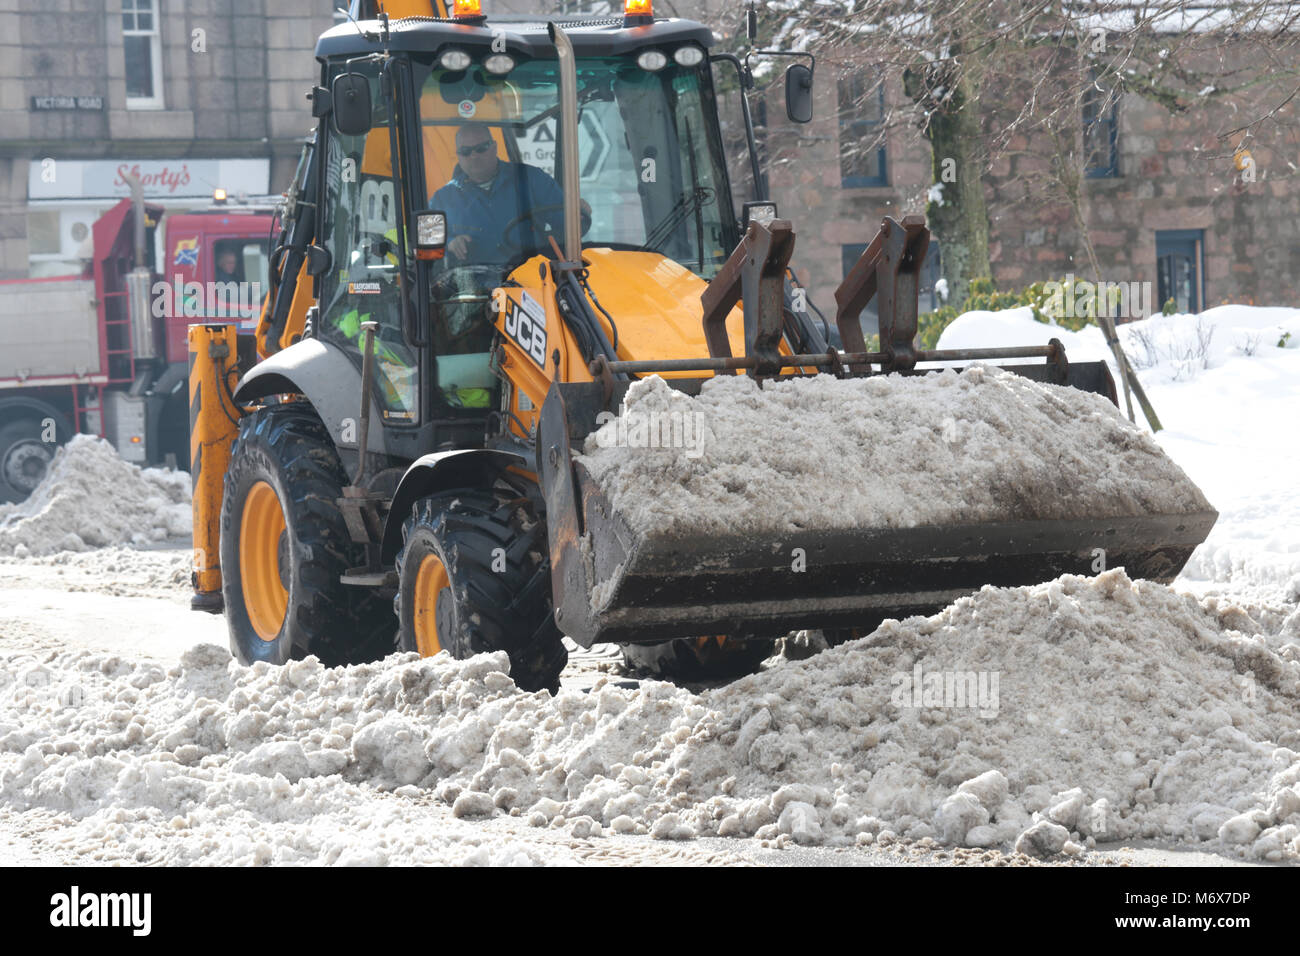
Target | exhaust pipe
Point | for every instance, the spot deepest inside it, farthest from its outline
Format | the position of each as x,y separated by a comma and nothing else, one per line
569,142
139,283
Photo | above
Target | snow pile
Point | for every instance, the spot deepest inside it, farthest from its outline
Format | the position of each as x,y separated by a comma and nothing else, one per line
885,451
91,498
1178,348
1090,710
1164,348
119,570
1015,327
1226,385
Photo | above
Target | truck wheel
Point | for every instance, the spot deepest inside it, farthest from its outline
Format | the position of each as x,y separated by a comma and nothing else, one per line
698,658
24,458
473,578
284,543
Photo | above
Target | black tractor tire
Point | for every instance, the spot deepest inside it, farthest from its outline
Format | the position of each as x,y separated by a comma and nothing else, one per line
25,456
286,450
698,659
474,577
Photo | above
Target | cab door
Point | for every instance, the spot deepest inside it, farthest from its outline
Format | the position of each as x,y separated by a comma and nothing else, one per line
360,230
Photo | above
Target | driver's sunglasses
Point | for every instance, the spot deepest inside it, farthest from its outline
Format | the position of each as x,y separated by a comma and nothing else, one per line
472,150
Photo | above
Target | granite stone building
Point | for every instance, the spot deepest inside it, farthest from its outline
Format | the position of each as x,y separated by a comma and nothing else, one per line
207,94
190,95
1165,200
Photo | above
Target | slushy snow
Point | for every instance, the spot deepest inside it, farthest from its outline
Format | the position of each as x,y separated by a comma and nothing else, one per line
91,498
885,451
1044,720
1093,709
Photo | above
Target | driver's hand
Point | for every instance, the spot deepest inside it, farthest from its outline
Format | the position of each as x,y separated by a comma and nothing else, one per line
459,247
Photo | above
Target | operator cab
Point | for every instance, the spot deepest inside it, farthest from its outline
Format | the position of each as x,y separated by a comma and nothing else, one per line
472,113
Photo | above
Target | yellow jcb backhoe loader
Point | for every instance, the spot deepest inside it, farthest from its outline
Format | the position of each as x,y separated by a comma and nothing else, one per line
402,431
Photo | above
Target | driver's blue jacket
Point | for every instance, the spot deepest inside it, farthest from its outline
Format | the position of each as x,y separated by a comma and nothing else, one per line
483,213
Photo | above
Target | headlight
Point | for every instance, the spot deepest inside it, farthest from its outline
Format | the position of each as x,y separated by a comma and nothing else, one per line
430,234
688,55
431,229
499,63
455,60
763,212
652,61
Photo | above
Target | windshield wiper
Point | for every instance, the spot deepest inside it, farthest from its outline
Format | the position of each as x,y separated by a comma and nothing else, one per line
689,202
595,91
699,209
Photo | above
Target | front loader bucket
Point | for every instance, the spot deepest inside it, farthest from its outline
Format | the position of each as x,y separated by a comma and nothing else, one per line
615,581
611,583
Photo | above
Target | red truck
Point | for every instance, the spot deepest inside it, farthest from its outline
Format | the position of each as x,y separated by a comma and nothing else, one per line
105,352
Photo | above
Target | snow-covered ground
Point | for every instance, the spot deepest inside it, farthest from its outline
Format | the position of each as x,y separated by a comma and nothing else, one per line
1095,713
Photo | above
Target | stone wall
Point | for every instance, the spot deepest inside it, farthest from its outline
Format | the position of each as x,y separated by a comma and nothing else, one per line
244,96
235,89
1174,174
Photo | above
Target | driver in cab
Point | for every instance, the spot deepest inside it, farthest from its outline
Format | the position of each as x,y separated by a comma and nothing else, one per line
485,195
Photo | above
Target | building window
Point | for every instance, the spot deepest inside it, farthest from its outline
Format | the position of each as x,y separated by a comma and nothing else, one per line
928,298
1100,133
1180,257
142,45
861,113
869,317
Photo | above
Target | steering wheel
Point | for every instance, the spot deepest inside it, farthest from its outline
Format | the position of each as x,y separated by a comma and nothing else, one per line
462,318
514,245
458,280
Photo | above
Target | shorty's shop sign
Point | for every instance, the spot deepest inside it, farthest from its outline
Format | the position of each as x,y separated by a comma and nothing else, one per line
161,178
164,181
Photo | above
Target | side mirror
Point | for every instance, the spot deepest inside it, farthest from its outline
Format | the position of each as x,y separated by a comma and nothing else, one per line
318,260
798,93
351,99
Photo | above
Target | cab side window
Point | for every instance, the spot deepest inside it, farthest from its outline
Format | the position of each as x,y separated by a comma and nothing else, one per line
363,283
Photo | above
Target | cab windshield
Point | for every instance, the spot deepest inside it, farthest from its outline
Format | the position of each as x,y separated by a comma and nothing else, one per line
650,163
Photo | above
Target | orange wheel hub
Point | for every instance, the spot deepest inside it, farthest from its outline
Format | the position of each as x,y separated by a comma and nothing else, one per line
432,584
264,560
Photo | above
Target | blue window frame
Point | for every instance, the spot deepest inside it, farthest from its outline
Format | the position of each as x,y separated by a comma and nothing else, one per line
869,317
931,273
861,112
927,301
1100,133
1180,268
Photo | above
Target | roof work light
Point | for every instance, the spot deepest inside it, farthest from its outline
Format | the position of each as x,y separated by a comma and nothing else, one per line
637,13
467,9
